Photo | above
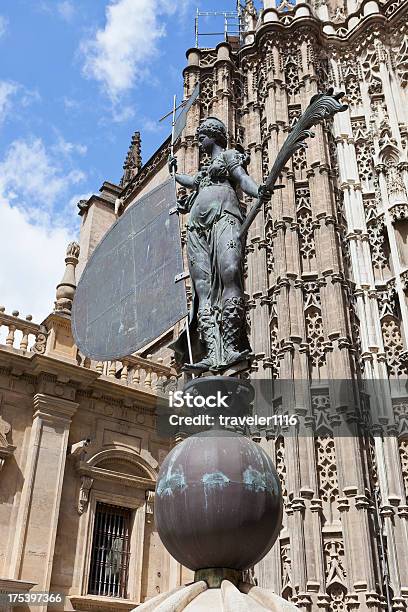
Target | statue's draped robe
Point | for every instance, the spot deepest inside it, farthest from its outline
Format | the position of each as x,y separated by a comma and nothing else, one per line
215,218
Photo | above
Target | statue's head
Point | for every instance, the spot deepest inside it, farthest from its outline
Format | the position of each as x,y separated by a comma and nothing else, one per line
215,130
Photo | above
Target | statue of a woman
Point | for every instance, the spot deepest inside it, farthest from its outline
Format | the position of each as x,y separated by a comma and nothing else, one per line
215,252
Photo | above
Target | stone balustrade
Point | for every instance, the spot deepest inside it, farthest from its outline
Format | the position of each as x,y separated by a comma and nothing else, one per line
22,334
133,371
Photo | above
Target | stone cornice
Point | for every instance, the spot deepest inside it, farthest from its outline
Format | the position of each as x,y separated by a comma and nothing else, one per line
116,389
125,480
58,367
10,585
53,409
26,364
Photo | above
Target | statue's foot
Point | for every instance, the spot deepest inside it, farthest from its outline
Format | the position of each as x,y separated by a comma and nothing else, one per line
234,357
205,365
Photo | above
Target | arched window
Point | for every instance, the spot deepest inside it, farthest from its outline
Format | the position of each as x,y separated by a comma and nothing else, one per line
116,490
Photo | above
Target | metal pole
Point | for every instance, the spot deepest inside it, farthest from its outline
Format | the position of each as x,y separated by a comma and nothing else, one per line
173,123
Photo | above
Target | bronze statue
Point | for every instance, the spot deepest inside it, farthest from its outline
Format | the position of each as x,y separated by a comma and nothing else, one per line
215,251
216,232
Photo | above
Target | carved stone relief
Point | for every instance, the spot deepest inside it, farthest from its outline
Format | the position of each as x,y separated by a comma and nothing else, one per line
86,485
327,469
304,219
314,324
335,575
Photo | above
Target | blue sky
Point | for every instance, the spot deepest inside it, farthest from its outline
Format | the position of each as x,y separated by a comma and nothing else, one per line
77,78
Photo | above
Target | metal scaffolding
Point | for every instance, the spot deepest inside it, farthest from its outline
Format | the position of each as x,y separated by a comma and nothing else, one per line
232,26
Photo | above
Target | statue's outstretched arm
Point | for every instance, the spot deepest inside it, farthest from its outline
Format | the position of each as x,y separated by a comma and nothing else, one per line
246,183
182,179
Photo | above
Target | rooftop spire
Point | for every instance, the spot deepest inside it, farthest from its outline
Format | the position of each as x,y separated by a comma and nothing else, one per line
133,161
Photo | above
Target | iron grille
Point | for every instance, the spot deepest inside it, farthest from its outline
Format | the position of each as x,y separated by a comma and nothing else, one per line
110,551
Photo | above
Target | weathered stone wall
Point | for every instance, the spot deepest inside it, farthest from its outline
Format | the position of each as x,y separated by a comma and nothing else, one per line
52,401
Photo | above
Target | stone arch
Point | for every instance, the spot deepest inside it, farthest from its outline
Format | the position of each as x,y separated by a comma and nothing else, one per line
109,456
390,154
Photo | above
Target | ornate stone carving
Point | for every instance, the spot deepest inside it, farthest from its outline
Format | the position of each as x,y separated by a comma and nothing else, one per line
299,161
335,575
250,15
339,15
386,296
287,588
372,55
403,449
304,219
208,58
147,170
6,449
401,416
314,324
133,161
376,237
390,157
66,288
149,506
206,94
399,212
404,280
291,74
274,346
269,235
364,153
401,60
86,485
321,409
353,91
326,468
393,346
280,465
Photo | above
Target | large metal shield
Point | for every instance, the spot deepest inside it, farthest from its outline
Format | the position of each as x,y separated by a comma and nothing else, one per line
127,294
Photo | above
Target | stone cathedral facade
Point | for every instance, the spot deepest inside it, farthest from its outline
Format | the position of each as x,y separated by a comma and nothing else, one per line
327,287
327,281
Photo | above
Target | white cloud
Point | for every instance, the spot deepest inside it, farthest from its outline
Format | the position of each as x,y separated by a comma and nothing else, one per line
35,262
7,91
35,183
119,54
28,96
149,125
71,104
121,114
29,173
3,25
13,97
68,148
66,10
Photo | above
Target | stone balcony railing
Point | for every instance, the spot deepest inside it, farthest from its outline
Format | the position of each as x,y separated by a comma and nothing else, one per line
22,334
135,371
25,337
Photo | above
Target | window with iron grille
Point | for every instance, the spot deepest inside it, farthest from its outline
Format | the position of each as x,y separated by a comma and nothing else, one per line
110,551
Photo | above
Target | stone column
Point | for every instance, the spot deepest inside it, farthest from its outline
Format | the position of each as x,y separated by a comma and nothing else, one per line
36,527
